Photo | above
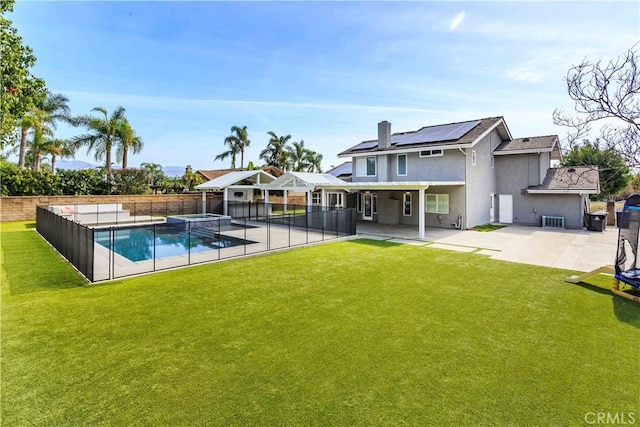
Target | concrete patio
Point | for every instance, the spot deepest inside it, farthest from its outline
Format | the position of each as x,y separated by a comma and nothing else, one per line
579,250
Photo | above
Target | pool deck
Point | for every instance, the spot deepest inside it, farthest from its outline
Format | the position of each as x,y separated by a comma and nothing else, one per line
274,238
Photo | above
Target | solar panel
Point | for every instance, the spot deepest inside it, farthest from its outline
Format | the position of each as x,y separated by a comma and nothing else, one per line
365,145
449,132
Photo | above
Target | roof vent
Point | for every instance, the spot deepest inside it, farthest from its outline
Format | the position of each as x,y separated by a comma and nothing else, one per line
571,170
525,139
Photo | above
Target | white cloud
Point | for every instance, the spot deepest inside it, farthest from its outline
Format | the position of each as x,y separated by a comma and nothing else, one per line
524,75
455,23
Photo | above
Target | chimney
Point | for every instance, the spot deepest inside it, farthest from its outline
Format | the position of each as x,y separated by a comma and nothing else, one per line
384,135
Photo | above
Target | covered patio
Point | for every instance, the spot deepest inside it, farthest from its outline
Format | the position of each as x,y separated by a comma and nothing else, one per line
237,186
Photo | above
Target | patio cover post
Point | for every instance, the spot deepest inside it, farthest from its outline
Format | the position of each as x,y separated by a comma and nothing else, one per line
204,202
225,201
421,209
323,200
284,192
266,204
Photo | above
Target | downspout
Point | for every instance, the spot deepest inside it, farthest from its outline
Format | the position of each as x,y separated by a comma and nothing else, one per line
464,209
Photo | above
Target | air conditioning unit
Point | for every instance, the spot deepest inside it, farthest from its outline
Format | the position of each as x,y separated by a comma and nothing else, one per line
552,221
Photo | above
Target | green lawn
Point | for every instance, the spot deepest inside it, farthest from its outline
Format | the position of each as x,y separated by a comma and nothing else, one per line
348,333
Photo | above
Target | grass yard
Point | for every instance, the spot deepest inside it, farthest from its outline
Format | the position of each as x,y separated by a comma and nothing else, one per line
348,333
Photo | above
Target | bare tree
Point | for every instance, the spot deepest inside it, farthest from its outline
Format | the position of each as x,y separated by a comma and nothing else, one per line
606,92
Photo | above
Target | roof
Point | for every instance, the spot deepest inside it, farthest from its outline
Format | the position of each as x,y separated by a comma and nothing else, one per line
302,181
208,175
569,180
528,144
341,170
229,179
215,173
423,137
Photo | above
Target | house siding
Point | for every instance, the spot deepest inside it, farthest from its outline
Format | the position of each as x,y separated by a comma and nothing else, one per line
449,167
480,180
515,173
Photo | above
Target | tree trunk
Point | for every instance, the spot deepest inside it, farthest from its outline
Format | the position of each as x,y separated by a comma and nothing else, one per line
241,159
23,146
53,163
125,153
108,161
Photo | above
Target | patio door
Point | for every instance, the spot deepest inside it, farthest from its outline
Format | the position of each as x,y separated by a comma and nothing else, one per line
367,208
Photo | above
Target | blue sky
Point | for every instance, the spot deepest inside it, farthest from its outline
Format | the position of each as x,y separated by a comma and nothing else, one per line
325,72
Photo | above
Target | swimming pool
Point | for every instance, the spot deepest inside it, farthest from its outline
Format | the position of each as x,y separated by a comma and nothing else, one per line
145,243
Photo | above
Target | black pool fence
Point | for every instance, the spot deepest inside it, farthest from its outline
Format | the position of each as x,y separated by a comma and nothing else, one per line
105,251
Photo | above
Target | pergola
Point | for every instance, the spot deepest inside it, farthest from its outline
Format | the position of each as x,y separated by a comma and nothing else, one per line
305,182
236,180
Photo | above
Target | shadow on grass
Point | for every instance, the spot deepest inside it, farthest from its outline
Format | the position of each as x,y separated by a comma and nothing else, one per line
627,311
376,243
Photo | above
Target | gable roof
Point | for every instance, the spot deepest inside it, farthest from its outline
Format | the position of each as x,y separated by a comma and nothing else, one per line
569,180
424,137
302,181
532,144
235,178
208,175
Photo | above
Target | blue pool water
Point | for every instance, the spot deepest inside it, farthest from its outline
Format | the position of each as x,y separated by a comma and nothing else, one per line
139,244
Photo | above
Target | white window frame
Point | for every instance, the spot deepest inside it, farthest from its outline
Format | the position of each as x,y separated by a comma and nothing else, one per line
398,165
339,199
473,157
316,198
360,166
406,198
430,153
438,199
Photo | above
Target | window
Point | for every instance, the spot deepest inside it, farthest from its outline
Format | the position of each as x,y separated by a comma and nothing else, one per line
406,204
316,198
473,157
375,203
431,153
437,203
335,200
402,164
366,166
359,203
492,162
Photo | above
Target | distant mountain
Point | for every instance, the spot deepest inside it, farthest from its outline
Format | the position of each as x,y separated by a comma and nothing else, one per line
78,164
173,170
74,165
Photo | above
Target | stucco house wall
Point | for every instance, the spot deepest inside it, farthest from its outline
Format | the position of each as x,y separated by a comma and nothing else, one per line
517,172
480,180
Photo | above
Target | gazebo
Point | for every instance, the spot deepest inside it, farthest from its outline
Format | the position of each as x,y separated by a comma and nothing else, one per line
235,186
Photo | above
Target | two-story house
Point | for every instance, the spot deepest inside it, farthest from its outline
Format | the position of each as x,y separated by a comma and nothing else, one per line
465,174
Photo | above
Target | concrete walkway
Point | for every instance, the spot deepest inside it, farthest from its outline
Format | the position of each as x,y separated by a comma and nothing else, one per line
579,250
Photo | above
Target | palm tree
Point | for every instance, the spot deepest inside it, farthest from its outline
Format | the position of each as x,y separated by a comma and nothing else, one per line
105,131
237,144
154,171
51,109
39,144
314,161
297,156
274,154
127,140
58,148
